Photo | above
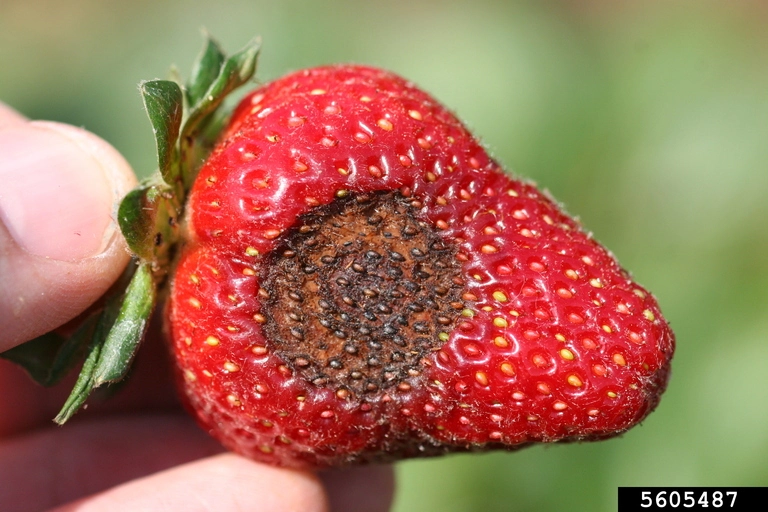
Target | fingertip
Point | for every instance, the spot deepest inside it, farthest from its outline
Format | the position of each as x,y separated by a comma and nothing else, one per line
117,169
61,188
60,247
224,482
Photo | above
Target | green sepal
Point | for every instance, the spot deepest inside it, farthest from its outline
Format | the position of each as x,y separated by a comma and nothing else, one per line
149,219
164,103
204,71
234,72
116,339
48,358
72,351
84,384
36,356
126,334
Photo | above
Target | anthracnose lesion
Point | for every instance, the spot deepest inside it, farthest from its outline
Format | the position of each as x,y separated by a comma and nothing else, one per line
357,292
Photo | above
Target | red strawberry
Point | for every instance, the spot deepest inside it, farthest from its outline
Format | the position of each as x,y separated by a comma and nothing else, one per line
362,282
359,281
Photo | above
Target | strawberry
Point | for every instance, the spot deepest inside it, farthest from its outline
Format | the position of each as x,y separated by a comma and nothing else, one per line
362,282
359,281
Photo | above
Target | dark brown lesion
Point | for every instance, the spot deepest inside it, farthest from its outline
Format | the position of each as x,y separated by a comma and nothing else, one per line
358,291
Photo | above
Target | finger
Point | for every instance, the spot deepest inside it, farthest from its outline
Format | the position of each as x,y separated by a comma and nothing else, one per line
369,488
60,248
54,465
8,116
223,483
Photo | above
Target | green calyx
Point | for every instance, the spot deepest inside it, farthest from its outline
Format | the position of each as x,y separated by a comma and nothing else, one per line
186,122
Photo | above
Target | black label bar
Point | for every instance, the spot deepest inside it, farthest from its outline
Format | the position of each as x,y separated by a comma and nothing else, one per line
706,499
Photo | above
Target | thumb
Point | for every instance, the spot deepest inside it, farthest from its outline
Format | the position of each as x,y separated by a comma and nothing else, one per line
60,248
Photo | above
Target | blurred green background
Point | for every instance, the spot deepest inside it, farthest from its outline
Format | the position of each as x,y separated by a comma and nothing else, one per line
649,120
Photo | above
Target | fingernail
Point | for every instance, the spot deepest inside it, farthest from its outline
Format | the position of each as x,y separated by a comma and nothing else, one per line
56,199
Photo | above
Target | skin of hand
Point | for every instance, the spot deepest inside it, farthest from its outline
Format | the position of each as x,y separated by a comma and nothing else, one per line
60,250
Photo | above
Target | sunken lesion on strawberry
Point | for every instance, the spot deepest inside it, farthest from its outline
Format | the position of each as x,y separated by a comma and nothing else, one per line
359,292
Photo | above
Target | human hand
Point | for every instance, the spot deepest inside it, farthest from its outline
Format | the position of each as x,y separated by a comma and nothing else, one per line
60,250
